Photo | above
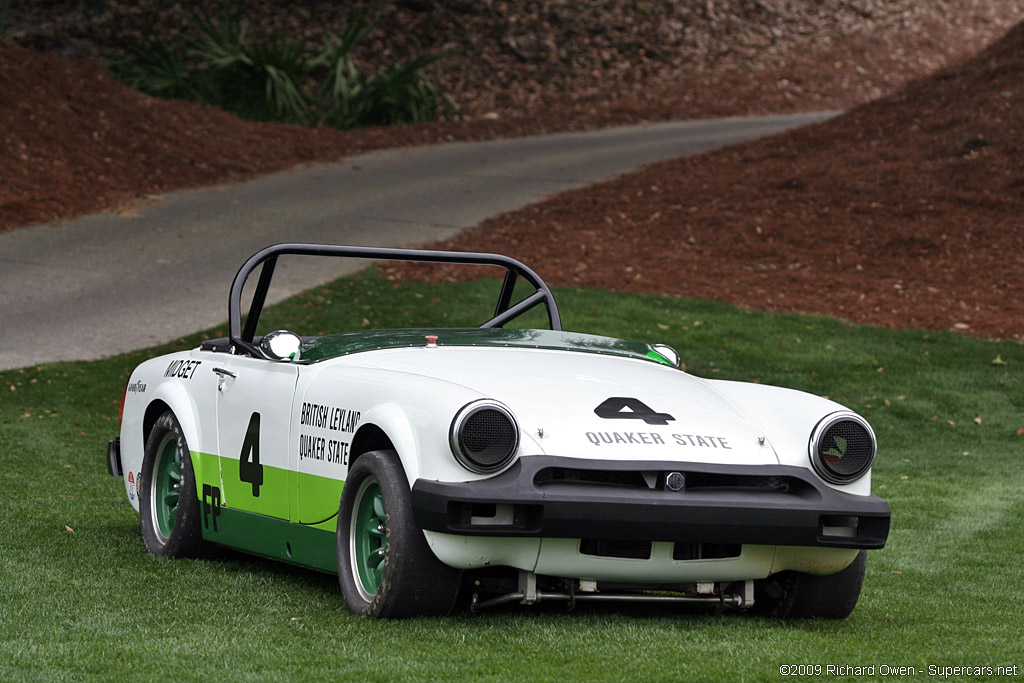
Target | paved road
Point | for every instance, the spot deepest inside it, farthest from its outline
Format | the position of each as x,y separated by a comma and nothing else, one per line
108,283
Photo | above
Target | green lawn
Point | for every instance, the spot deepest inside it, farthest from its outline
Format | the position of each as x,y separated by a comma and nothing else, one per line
80,598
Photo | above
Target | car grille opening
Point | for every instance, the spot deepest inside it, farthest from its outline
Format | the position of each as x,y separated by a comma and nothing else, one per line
481,517
696,481
570,475
705,551
693,481
630,550
841,526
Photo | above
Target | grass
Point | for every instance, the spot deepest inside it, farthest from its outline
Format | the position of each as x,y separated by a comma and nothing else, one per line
80,598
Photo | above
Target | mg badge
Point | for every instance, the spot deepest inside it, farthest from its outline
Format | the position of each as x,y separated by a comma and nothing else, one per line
675,481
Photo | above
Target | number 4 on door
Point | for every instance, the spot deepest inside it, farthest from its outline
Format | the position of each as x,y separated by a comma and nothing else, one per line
249,468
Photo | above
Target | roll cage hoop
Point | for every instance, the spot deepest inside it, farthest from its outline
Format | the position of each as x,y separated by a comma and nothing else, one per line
504,312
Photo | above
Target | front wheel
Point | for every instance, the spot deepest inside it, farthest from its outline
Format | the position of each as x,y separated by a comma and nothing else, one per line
793,595
168,505
385,567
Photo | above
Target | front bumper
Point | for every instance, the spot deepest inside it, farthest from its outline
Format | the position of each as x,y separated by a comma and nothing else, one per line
114,457
558,497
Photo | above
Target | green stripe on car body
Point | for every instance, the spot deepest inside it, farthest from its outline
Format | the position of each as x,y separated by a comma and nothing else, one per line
274,499
278,539
270,524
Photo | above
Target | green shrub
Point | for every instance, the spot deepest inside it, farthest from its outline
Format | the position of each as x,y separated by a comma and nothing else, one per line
256,78
275,78
154,68
5,18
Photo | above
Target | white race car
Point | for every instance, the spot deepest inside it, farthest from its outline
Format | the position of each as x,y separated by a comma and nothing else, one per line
497,466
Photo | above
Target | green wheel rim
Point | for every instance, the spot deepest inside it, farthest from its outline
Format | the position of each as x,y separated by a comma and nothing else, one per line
368,538
166,486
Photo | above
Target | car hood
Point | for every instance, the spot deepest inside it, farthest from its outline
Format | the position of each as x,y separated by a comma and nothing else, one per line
592,405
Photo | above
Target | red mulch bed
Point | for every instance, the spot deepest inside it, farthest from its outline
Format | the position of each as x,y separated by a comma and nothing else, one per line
905,212
73,141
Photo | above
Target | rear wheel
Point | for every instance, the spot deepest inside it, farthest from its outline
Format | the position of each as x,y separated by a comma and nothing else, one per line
793,595
385,567
168,505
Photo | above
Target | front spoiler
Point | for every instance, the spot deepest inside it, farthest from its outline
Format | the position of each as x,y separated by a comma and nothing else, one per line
765,505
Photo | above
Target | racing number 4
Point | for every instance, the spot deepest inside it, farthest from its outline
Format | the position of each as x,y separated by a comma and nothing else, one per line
623,408
249,468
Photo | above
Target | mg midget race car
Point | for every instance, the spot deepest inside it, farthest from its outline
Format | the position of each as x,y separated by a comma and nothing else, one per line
496,465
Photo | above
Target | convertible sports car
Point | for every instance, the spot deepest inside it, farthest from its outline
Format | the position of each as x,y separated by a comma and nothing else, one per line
496,465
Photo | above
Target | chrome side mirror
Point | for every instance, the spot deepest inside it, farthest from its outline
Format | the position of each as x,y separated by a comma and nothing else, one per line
281,345
668,353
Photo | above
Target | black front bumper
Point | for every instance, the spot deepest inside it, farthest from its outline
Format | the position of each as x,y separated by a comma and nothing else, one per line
557,497
114,457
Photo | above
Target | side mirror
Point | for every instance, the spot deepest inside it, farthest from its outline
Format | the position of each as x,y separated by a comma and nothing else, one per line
281,345
668,353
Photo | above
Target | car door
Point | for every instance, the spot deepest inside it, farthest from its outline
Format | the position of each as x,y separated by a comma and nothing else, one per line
254,400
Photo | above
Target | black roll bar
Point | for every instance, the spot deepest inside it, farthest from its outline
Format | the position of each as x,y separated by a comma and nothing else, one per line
504,311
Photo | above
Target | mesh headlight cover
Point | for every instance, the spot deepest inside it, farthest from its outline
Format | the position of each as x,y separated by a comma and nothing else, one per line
484,436
842,447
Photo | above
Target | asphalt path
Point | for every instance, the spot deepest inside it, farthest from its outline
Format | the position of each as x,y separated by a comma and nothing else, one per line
112,282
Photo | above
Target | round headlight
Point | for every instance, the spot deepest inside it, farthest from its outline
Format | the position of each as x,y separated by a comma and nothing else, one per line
484,436
842,447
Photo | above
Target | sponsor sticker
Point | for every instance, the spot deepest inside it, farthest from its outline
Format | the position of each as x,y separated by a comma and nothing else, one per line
324,418
656,439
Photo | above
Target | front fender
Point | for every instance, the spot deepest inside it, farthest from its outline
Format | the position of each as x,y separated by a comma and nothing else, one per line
394,423
415,412
786,417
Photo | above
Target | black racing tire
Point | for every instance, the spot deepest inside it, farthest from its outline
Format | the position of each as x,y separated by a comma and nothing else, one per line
168,505
794,595
385,567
